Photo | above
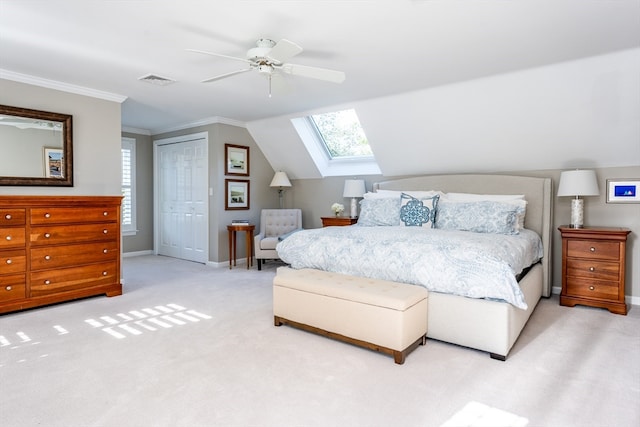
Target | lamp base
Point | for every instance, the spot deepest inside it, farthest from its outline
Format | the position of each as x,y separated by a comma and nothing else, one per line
354,208
577,213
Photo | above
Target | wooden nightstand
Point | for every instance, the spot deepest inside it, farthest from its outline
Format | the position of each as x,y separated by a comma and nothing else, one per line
328,221
593,267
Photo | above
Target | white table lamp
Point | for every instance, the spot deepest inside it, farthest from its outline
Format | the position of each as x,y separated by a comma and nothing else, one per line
354,188
280,180
578,183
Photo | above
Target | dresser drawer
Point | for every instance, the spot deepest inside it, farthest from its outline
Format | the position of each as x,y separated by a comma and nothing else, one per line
41,216
12,237
12,287
598,289
593,249
13,262
59,234
593,269
12,217
68,279
65,256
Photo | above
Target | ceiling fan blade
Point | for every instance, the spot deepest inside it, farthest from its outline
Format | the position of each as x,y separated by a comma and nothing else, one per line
314,72
223,76
235,58
283,50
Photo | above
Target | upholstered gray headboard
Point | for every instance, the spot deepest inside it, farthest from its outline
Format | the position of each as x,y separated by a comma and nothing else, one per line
537,191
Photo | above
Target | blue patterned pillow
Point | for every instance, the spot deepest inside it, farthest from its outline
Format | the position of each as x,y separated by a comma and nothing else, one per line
379,212
416,212
480,217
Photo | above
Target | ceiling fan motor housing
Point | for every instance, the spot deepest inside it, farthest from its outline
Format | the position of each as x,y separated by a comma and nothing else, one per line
260,52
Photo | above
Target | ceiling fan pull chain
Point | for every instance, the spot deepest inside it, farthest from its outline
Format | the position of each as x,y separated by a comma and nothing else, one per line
269,85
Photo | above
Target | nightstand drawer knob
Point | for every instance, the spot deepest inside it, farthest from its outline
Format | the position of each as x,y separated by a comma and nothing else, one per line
591,288
592,249
592,269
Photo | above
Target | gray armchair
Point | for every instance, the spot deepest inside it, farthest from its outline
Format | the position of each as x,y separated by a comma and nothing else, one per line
273,224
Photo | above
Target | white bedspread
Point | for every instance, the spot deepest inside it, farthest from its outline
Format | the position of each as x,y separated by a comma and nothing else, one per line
476,265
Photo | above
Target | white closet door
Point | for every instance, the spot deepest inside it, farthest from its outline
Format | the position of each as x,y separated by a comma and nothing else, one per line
182,172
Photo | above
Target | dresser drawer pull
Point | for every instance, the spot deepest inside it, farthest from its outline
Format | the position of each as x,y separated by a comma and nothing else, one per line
47,257
47,282
591,288
47,215
47,235
104,251
8,237
104,273
592,249
592,269
7,216
8,288
105,213
105,231
9,261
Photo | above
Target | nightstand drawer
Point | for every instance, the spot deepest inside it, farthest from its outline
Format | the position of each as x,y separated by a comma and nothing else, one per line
596,289
593,249
593,269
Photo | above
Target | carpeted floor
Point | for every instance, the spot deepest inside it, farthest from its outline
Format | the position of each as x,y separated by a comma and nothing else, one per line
191,345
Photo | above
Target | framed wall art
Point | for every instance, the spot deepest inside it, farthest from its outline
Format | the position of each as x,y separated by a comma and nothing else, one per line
236,194
236,159
53,163
623,190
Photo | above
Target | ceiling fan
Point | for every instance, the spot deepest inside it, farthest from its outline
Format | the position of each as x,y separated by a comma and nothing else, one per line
270,58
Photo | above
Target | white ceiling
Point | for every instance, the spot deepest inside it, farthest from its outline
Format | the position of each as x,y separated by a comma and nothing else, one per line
384,46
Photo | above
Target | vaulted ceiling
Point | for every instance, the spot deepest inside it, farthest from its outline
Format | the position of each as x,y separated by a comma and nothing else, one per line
385,47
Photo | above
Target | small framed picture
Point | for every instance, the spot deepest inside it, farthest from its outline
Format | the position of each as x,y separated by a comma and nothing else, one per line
53,162
236,194
623,190
236,159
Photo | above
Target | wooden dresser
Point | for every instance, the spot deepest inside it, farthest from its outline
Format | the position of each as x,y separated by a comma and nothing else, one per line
593,267
58,248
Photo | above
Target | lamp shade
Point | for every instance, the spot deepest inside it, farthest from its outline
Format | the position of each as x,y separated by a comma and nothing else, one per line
354,188
280,179
578,183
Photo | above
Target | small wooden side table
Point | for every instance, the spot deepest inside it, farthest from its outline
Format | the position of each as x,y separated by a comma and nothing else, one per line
248,230
593,267
340,221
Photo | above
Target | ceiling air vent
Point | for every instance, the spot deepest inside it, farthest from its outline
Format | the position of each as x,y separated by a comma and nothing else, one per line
156,80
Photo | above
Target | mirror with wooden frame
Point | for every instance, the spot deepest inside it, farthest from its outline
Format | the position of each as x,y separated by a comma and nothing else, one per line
36,147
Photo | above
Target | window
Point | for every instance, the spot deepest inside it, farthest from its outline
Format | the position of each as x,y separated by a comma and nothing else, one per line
341,134
337,143
128,186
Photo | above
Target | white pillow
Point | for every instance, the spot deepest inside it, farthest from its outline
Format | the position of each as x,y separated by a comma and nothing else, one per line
418,194
515,199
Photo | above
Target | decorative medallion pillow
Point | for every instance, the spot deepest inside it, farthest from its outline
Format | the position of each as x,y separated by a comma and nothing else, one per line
416,212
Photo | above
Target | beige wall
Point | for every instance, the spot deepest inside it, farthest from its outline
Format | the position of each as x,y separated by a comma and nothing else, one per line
96,138
261,195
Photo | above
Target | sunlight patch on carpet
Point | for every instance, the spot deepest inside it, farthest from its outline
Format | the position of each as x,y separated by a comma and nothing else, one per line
476,414
148,319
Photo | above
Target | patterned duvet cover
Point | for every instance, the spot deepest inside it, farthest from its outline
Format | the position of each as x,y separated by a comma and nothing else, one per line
475,265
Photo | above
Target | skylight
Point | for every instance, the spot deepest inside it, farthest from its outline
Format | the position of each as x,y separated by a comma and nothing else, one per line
341,134
337,143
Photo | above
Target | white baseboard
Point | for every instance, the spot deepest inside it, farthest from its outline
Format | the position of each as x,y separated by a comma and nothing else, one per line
139,253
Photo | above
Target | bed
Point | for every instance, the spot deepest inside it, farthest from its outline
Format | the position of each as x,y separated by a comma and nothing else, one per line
483,322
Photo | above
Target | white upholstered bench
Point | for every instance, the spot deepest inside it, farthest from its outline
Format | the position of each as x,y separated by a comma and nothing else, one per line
380,315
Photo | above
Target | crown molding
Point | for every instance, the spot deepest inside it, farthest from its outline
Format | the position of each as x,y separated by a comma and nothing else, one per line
202,122
137,131
64,87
